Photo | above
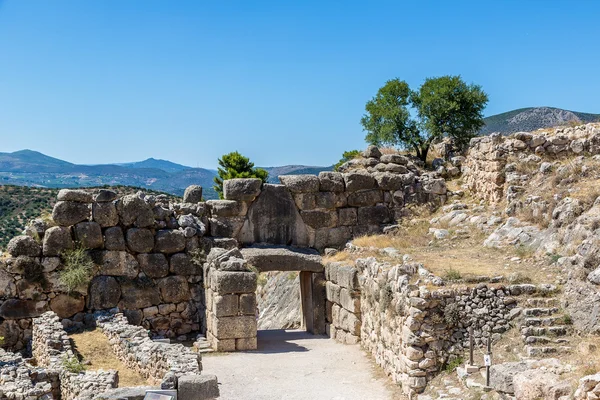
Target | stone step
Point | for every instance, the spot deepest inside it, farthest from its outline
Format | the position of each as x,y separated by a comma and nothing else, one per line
540,351
557,330
206,350
541,302
544,340
540,311
544,321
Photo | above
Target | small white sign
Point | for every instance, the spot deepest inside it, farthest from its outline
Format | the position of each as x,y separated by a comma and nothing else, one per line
487,360
161,395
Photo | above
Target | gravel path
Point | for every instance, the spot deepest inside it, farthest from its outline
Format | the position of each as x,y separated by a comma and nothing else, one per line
296,365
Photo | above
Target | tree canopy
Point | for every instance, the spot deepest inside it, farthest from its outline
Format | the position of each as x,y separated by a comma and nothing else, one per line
442,106
346,156
235,165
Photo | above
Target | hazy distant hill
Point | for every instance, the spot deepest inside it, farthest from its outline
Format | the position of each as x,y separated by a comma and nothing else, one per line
32,168
532,118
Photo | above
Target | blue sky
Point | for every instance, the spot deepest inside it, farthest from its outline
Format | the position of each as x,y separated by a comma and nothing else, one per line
283,82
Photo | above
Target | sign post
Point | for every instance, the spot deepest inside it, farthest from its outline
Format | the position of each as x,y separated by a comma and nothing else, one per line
487,359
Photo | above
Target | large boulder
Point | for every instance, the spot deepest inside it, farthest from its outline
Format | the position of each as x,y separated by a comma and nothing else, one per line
359,180
502,375
331,181
133,209
154,265
242,189
116,263
135,295
169,241
105,196
197,387
104,293
7,284
23,246
67,305
233,281
227,208
273,218
537,384
300,183
279,258
174,289
182,264
89,235
192,194
56,240
18,309
77,195
66,213
140,240
114,239
105,214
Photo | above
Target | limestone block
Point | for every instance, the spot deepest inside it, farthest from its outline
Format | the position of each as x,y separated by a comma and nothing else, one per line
347,216
66,213
116,263
182,264
388,181
134,296
365,198
227,208
105,195
241,189
18,309
67,305
114,239
105,214
104,293
278,258
248,304
373,215
332,237
140,240
154,265
350,300
233,282
331,181
351,339
243,344
358,180
197,387
174,289
319,218
132,209
56,240
347,277
23,246
169,241
305,201
235,327
394,159
332,292
225,305
192,194
300,183
326,200
226,226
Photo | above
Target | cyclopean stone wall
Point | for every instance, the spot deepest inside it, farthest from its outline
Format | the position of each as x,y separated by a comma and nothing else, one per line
343,303
230,301
485,171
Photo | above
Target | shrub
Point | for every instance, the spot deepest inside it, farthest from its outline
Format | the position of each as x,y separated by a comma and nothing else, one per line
517,278
72,364
198,257
452,274
78,267
1,340
453,364
452,314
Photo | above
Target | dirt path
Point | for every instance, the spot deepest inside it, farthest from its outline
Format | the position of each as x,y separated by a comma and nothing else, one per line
295,365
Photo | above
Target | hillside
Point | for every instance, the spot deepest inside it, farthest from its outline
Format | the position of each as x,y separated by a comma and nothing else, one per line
32,168
533,118
20,204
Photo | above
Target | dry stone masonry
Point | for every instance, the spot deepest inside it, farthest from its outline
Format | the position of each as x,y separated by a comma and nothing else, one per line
343,303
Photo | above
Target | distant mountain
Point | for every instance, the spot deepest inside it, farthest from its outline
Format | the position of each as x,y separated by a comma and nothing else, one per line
533,118
165,165
31,168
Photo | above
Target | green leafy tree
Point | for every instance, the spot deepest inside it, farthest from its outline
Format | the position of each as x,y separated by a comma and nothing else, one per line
235,165
346,156
443,106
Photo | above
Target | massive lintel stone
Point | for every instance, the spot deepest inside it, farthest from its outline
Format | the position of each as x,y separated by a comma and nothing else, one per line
279,258
241,189
274,219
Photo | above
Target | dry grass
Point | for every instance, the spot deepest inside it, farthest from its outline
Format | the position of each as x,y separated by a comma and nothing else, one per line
389,150
93,346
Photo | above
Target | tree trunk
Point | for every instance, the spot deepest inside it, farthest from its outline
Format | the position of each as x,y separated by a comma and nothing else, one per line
422,152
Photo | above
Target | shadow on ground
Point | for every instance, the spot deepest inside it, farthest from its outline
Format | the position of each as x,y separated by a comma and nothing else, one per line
279,341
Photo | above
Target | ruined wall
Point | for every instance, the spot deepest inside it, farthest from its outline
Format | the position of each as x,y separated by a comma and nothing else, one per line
485,171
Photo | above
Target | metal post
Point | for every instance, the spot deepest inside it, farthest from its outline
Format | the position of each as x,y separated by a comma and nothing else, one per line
471,362
487,367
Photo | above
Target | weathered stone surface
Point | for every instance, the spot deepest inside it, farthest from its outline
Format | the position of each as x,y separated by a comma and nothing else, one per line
140,240
388,180
23,246
66,213
74,195
89,235
105,214
373,215
104,293
347,216
56,240
226,226
331,181
192,194
114,239
105,196
67,305
537,384
242,189
174,289
332,237
372,152
116,263
17,309
134,295
394,159
227,208
501,375
154,265
169,241
235,327
273,218
300,183
274,258
358,180
132,209
181,264
365,198
319,218
233,282
198,387
128,393
226,305
7,284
